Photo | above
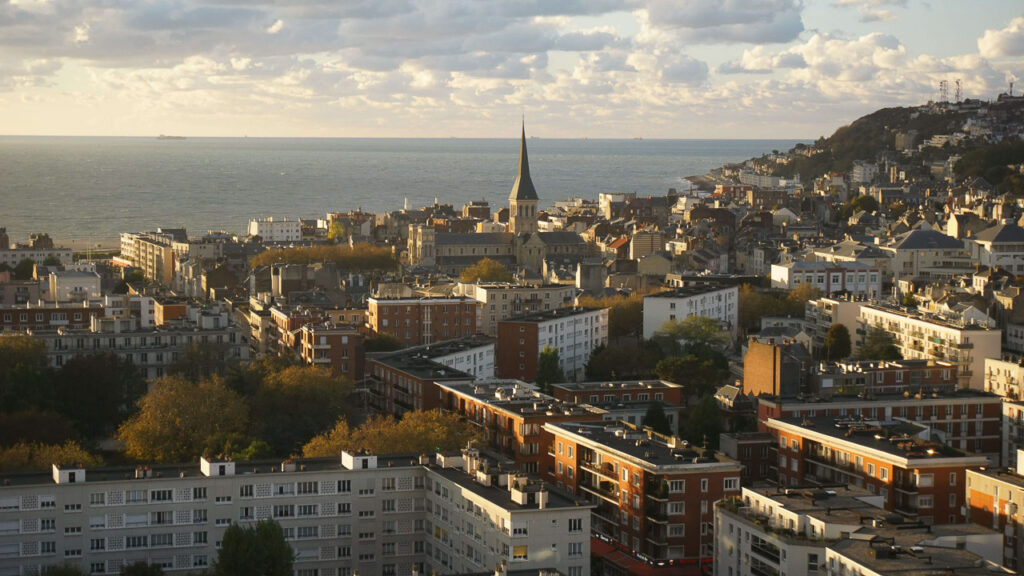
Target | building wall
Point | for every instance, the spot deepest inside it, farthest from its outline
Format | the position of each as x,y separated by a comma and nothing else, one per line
721,305
417,322
574,334
276,230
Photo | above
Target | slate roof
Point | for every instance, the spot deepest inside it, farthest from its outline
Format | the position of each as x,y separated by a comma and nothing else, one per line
926,240
472,238
560,238
1002,233
522,188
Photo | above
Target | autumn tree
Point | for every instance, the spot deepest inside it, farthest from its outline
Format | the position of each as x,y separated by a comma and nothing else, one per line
98,392
294,404
259,550
878,345
486,270
657,420
32,456
35,426
837,342
703,423
696,331
418,431
178,419
625,314
203,360
25,380
382,342
337,231
548,369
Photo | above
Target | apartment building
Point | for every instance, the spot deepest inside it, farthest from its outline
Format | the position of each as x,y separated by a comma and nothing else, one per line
754,450
917,476
829,277
995,499
1003,377
272,229
626,400
151,252
654,494
49,315
717,302
926,253
500,301
930,337
885,377
574,332
406,380
365,514
420,321
512,415
338,348
822,313
948,549
964,419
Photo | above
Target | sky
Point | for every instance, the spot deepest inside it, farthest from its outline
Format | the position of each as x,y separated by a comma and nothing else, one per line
473,68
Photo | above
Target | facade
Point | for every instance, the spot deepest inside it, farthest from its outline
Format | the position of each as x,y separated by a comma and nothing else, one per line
822,313
995,498
338,348
654,494
73,286
500,301
933,338
949,549
829,277
1003,377
366,514
626,400
876,377
1001,245
574,332
780,370
754,450
272,229
49,316
512,416
13,257
420,321
403,381
522,200
916,475
719,303
926,253
151,252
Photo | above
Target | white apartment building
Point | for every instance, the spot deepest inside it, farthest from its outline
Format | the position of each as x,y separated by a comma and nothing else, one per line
821,314
367,514
272,229
72,286
1004,376
151,252
932,338
1001,245
13,257
574,332
829,277
719,303
499,300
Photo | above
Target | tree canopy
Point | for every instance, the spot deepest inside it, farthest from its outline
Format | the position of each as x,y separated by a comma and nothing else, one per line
657,420
878,345
699,374
696,331
704,422
361,257
548,369
382,342
24,269
296,403
417,432
486,270
259,550
754,304
33,456
337,231
179,419
837,342
98,392
624,362
625,314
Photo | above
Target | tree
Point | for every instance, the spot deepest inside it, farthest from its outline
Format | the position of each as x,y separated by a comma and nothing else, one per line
98,392
24,269
625,314
179,418
34,426
382,342
361,257
295,404
703,423
697,331
878,345
259,550
418,431
837,343
64,569
337,231
141,568
656,419
25,379
486,270
624,362
548,370
700,375
31,456
52,260
203,360
909,300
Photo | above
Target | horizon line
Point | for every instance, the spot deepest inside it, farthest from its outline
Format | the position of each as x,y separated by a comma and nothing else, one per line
533,137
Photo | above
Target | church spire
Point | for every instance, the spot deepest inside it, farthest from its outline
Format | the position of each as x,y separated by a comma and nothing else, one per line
523,188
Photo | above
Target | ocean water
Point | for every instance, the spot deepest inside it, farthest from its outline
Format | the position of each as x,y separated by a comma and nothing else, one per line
85,191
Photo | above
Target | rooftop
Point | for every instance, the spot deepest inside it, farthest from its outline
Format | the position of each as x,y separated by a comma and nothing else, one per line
899,438
518,398
545,315
687,291
618,385
419,366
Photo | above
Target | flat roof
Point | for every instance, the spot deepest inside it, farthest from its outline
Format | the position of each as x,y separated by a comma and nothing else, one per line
693,290
419,366
909,552
643,444
515,397
650,384
897,437
545,315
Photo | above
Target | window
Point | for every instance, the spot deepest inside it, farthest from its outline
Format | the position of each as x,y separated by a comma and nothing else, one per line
307,488
308,532
388,505
703,484
199,493
344,508
98,544
520,552
812,562
575,525
97,499
677,486
161,495
575,549
731,484
344,486
387,484
677,508
284,510
308,510
245,491
199,516
135,542
925,501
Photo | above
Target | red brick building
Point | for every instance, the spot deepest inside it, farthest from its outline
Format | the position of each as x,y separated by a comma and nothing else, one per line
419,321
48,316
400,382
756,450
995,499
917,477
339,348
655,494
574,332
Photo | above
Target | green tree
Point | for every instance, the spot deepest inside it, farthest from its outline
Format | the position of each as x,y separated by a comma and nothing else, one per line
24,269
700,375
178,419
35,427
337,231
697,331
141,568
31,456
52,260
548,370
656,419
878,345
259,550
418,431
297,403
837,342
25,380
203,360
625,314
624,362
486,270
382,342
864,202
704,422
98,392
909,300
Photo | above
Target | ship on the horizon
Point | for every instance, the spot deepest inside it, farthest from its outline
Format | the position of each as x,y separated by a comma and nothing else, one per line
169,137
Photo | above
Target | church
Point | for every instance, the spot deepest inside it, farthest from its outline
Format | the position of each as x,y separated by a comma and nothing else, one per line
522,248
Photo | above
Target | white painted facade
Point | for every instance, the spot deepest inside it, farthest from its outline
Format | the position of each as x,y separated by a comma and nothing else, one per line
272,229
717,303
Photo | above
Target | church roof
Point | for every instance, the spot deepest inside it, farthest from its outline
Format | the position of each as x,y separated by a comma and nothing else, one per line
472,238
523,188
560,237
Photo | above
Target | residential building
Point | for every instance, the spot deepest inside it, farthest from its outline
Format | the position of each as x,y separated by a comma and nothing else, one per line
273,230
573,332
420,321
453,514
73,285
499,301
753,450
654,494
38,254
626,400
917,476
995,499
852,278
338,348
406,380
1003,377
1001,245
512,415
718,302
776,369
822,313
929,337
876,377
49,315
151,252
927,253
967,550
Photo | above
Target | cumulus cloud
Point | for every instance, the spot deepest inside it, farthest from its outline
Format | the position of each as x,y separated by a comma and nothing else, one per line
1006,42
729,21
275,27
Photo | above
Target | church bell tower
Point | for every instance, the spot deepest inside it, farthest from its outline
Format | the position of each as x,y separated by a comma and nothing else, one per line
522,200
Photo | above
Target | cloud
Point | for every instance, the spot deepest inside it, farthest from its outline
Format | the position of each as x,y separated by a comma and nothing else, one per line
1003,43
729,21
869,15
275,27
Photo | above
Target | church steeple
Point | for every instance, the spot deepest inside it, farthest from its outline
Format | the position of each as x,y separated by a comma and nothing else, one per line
522,199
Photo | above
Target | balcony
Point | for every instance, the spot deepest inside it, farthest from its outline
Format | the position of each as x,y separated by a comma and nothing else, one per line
766,551
657,492
606,470
602,494
657,514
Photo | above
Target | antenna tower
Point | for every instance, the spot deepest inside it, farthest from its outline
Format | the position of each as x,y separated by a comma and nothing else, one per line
959,91
944,91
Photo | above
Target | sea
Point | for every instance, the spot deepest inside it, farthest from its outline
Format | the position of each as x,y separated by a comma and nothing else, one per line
85,191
